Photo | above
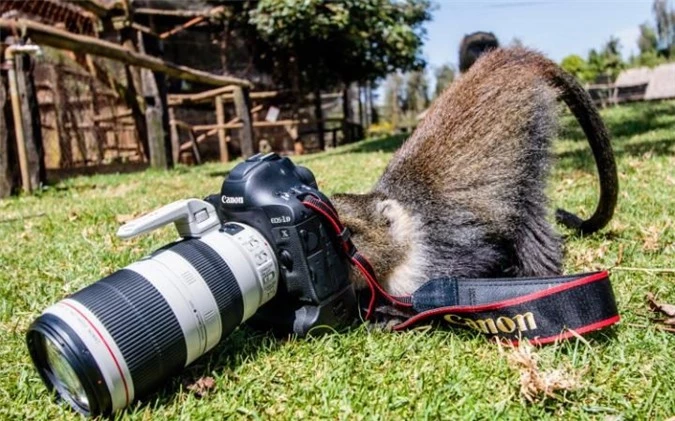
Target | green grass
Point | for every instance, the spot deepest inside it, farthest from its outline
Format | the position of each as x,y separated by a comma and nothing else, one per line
56,242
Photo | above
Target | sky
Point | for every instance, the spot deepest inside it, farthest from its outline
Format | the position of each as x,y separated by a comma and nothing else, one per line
556,28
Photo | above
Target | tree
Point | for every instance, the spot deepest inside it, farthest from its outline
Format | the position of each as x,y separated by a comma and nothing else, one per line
310,45
648,40
664,14
340,42
444,77
648,46
576,66
393,98
604,66
611,54
416,93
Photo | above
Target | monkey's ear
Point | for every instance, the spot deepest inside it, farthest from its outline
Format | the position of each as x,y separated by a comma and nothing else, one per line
400,221
387,209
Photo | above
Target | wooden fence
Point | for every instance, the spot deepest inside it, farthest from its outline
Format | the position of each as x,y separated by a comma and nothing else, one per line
100,102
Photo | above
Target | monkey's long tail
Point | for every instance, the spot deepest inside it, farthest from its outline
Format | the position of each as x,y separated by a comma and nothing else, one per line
581,105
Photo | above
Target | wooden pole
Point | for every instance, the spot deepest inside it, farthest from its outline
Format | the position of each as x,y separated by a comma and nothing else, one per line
99,134
175,139
369,104
131,92
362,118
153,120
225,93
75,131
235,123
156,108
346,114
199,139
374,118
65,150
180,99
318,115
6,151
47,35
18,128
195,147
94,6
180,13
32,119
186,25
242,106
26,116
222,136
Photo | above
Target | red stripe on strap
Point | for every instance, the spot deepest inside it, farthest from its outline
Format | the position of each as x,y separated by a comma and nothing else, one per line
573,332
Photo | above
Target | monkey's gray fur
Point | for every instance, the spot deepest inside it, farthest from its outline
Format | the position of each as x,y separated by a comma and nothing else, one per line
464,195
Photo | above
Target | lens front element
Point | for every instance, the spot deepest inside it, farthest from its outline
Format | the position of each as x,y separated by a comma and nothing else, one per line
63,376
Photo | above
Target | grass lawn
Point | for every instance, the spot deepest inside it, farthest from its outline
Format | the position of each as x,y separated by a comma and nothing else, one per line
56,242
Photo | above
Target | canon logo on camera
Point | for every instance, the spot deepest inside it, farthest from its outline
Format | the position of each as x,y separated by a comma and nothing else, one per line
234,200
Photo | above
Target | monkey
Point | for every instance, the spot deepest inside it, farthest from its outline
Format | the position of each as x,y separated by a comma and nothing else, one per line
464,195
473,46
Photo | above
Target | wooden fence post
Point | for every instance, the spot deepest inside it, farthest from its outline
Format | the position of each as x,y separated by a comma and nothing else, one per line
30,116
156,108
346,115
222,136
99,134
65,149
318,115
133,90
175,138
242,105
7,160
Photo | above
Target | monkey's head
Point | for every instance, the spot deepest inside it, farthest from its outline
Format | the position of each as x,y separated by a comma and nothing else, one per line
388,236
473,46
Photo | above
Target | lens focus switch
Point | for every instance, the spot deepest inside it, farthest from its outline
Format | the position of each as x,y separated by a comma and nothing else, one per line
261,258
286,259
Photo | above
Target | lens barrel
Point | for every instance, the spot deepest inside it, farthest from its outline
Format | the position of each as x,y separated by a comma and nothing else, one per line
123,336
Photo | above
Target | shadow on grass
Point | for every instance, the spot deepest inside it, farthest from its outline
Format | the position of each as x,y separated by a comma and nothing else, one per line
606,234
245,345
582,159
385,144
241,347
220,174
59,174
625,121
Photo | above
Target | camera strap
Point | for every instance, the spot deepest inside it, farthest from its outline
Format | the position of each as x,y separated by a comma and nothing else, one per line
542,309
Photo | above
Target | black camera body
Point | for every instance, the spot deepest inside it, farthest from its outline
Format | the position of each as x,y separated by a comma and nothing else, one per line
265,193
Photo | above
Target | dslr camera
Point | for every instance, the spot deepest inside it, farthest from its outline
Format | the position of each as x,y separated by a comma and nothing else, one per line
253,253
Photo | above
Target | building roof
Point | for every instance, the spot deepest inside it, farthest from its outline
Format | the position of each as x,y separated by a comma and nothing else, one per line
662,82
658,83
632,77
